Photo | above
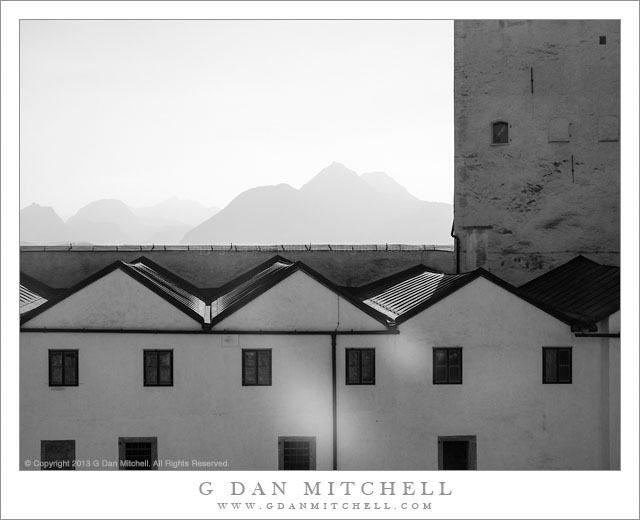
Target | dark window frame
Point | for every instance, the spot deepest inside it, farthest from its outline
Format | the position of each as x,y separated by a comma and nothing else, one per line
546,380
257,382
373,366
493,133
602,40
122,451
64,352
157,352
312,449
472,454
448,350
45,444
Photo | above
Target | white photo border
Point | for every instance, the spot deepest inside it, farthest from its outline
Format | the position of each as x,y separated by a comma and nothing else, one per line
176,494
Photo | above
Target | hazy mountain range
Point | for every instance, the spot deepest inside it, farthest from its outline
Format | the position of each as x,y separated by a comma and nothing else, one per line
337,206
110,221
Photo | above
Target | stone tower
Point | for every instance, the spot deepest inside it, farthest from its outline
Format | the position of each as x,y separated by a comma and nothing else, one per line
537,144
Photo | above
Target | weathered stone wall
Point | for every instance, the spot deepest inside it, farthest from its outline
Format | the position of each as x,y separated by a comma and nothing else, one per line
553,191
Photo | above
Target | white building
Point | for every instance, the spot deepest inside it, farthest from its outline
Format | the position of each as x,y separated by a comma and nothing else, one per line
282,369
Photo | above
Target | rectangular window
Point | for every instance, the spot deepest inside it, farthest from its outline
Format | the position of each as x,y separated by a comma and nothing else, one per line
256,367
500,132
361,366
158,368
457,452
138,453
447,366
57,455
556,365
296,453
63,368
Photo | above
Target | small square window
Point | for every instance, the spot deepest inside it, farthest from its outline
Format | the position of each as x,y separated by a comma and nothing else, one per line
296,453
63,368
603,40
556,365
447,366
361,366
158,368
256,367
500,132
138,453
57,455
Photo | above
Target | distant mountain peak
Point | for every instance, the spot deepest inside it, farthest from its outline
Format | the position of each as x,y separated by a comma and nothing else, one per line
41,225
334,174
335,206
386,185
37,208
105,210
336,168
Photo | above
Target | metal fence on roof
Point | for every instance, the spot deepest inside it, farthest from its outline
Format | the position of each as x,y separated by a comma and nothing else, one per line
241,248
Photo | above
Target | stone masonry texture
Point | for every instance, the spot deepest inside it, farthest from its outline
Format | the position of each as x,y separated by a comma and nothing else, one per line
541,201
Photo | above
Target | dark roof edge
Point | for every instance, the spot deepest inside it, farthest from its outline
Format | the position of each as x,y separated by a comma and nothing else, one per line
563,317
268,282
181,282
27,316
246,276
38,287
118,264
382,318
370,289
274,279
151,286
482,273
455,285
577,259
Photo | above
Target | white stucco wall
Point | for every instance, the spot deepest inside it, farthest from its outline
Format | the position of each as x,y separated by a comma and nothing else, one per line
519,422
611,324
299,303
206,415
614,322
113,302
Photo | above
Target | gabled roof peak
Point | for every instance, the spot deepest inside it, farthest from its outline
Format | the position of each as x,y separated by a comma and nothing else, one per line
245,288
159,280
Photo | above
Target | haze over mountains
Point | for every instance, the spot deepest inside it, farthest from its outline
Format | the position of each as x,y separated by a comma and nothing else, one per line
337,206
110,221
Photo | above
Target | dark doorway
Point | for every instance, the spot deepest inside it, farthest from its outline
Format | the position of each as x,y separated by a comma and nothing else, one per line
457,452
455,455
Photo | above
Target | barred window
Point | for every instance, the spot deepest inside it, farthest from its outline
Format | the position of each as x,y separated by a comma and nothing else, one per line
296,453
256,367
63,368
138,453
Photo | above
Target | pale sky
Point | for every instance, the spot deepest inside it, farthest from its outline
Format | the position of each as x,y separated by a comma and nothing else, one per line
145,110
